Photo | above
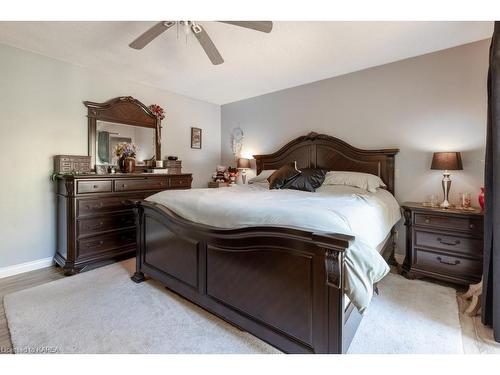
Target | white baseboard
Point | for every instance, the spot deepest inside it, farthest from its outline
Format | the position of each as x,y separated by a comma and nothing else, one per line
26,267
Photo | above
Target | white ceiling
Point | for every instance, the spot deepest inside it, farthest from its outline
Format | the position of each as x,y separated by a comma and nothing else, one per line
294,53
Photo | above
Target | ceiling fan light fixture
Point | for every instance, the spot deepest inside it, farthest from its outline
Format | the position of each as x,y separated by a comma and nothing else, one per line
186,26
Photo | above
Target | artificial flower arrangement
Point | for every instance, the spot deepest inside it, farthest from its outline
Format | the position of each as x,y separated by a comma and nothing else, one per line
125,150
157,111
126,156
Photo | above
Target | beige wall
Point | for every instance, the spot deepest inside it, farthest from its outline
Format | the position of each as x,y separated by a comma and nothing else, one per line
41,115
434,102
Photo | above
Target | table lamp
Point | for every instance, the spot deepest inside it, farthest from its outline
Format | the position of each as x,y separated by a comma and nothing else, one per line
243,165
446,161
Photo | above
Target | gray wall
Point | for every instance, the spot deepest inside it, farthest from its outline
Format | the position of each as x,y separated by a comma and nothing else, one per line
42,115
434,102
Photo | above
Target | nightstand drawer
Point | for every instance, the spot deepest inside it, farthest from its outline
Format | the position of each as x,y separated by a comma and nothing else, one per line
449,222
471,246
448,265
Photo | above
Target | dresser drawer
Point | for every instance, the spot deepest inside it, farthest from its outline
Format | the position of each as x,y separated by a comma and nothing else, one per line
466,245
448,265
106,204
105,223
86,187
141,184
106,242
467,224
180,182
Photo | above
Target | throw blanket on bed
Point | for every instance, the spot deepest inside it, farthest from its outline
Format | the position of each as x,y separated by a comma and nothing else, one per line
368,217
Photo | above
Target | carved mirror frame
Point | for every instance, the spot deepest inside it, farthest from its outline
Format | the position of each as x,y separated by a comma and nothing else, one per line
122,110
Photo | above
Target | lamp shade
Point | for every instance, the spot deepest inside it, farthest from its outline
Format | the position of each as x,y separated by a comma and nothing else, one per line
243,163
450,161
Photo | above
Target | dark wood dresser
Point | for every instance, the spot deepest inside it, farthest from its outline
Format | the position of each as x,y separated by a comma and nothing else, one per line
95,218
445,244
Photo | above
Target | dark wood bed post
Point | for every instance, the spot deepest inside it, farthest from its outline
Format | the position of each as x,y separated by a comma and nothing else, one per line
283,285
138,275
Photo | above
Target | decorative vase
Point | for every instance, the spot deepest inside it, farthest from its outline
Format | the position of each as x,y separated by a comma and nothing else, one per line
129,165
481,198
121,164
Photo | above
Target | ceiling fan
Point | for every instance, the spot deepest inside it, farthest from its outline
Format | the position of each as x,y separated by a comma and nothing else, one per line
199,32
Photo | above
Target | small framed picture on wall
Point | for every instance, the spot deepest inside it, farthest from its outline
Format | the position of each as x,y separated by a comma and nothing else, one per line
196,138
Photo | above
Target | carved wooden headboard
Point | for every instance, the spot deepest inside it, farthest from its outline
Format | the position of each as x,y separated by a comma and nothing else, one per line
326,152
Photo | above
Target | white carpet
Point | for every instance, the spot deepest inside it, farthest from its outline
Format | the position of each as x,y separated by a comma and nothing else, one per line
410,317
103,311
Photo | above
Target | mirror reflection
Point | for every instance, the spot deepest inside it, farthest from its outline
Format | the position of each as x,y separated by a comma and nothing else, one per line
109,135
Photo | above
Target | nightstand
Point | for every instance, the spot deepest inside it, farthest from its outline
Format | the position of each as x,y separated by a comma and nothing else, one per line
445,244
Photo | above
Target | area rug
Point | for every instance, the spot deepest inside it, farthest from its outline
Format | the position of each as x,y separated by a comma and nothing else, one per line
102,311
410,317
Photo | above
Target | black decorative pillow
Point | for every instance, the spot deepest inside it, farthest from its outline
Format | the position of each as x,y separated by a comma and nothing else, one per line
282,175
309,179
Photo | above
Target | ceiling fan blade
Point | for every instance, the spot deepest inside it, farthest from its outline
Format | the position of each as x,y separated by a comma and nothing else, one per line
264,26
143,40
207,44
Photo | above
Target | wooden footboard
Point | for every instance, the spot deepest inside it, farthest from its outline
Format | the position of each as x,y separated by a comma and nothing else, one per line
282,285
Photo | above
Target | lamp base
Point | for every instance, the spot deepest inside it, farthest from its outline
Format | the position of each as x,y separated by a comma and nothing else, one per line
446,189
445,204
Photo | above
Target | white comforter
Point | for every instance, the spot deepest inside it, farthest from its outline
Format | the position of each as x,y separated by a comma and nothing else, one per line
334,209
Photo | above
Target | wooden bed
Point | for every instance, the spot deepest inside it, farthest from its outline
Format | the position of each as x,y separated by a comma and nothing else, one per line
282,285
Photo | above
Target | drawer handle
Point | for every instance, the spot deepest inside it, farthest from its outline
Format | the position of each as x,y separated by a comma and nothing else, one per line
95,226
454,243
472,226
95,186
428,219
95,244
124,185
455,263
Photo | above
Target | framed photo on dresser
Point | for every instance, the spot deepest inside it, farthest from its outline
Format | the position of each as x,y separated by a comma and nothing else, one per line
196,138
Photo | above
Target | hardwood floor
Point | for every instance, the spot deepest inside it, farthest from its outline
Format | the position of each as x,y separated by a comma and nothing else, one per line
16,283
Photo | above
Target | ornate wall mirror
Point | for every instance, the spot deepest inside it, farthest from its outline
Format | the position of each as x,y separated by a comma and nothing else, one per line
123,119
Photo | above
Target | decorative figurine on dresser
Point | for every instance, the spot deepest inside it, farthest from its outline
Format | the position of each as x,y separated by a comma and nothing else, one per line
96,222
445,244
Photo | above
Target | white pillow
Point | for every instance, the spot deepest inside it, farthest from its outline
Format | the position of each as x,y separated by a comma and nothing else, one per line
262,176
365,181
